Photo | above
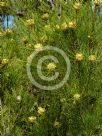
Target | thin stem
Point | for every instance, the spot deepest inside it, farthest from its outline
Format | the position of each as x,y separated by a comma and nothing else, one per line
2,117
79,75
94,18
89,75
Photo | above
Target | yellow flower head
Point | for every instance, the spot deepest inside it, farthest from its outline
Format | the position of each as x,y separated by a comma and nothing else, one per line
30,22
4,61
97,2
2,4
79,56
45,16
64,26
8,31
41,110
92,58
38,47
77,6
56,124
72,25
51,66
76,97
32,119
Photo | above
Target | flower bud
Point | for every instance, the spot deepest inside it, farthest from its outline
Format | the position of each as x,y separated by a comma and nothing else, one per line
18,98
92,58
56,124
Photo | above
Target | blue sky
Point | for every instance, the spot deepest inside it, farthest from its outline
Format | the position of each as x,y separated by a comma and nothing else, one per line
10,21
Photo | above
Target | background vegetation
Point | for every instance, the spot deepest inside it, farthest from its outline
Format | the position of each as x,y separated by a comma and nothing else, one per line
74,109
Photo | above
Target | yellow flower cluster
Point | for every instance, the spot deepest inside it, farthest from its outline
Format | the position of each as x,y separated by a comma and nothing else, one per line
64,26
45,16
30,22
4,61
92,58
77,6
76,97
41,110
51,66
79,56
97,2
38,47
32,119
70,25
6,32
3,4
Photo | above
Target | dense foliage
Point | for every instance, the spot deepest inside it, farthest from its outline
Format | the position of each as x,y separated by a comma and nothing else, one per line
75,108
